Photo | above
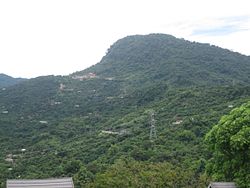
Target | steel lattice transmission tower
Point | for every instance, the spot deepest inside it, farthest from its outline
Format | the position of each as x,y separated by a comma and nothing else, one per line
152,134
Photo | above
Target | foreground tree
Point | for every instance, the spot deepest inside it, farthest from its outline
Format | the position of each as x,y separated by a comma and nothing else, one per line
136,174
229,142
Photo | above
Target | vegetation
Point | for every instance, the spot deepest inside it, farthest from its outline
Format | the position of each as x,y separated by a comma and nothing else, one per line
230,142
6,80
94,125
131,173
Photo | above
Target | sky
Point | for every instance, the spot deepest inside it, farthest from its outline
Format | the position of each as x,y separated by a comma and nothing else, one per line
59,37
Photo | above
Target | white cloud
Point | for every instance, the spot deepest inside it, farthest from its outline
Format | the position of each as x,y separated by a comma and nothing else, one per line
222,26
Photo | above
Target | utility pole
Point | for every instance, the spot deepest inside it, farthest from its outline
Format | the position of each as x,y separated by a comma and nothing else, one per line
152,134
234,83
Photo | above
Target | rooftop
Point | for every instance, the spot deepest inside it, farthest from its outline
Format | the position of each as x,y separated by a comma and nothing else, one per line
41,183
222,185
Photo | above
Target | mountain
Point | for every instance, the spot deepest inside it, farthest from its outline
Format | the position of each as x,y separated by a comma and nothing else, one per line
96,123
174,61
6,80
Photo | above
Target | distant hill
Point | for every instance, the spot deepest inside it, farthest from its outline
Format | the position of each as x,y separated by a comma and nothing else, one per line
6,80
176,62
96,122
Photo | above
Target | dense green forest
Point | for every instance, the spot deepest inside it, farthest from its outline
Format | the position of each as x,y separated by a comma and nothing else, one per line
6,80
94,125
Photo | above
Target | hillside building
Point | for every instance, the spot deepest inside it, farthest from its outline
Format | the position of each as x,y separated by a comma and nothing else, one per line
222,185
41,183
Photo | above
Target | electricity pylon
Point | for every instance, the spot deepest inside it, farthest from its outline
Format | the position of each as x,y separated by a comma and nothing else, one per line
152,134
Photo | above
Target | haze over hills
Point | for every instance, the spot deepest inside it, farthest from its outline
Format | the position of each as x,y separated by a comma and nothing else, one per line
6,80
96,121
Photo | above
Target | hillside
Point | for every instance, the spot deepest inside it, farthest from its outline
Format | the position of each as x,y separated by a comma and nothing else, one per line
96,122
176,62
6,80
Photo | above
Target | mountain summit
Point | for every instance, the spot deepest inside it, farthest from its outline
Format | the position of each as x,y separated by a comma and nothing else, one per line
175,61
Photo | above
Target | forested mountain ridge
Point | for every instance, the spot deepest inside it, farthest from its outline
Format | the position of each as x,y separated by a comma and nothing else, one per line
175,61
96,122
6,80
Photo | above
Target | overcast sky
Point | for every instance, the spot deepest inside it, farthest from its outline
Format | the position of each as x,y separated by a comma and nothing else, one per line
44,37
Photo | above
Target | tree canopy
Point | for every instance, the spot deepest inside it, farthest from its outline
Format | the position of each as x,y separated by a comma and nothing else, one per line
229,141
